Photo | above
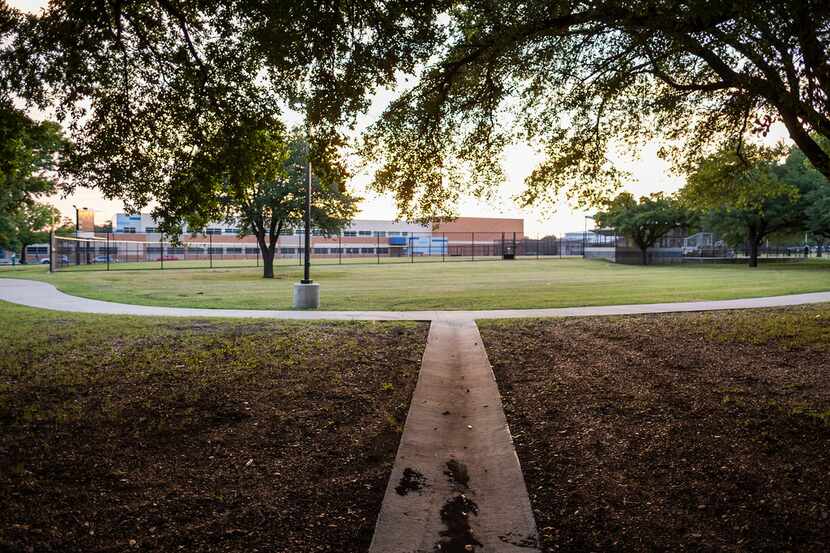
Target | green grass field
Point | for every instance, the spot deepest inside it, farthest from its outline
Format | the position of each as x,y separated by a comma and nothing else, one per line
480,285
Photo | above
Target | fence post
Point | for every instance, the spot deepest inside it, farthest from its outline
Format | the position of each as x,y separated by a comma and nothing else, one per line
161,250
51,250
473,246
412,248
210,249
340,248
444,247
377,248
515,253
299,254
108,251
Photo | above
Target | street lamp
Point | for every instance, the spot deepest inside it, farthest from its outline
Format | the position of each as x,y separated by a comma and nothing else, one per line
307,292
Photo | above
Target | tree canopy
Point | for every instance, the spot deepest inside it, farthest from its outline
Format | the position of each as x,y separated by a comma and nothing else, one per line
579,78
158,92
28,157
160,96
29,153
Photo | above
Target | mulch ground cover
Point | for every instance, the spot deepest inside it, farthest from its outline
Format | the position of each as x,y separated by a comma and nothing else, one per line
689,432
172,435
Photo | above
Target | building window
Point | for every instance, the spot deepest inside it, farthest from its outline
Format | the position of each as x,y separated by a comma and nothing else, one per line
151,229
251,250
214,231
287,232
380,234
233,250
321,250
393,233
287,250
364,233
383,251
352,250
231,231
129,230
404,234
349,233
367,250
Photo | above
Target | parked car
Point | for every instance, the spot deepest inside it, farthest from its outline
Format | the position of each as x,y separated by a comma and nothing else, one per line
5,261
103,259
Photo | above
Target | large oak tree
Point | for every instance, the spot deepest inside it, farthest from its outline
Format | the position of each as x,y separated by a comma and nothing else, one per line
577,78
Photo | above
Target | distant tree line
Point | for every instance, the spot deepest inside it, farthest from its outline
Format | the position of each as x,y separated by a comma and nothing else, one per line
745,197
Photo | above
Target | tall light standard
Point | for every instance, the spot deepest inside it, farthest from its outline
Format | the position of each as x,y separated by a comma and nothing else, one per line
307,292
307,221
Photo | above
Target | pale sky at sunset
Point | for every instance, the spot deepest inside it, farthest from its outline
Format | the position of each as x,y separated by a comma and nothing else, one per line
649,174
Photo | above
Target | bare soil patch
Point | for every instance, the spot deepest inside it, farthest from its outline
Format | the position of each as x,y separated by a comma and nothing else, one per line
139,435
688,432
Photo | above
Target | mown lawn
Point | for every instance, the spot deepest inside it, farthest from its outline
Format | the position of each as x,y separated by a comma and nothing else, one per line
683,432
436,285
125,434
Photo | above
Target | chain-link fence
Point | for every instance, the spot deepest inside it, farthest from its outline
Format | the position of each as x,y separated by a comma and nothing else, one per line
120,251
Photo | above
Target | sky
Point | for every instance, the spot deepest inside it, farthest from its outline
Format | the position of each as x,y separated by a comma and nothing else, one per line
648,174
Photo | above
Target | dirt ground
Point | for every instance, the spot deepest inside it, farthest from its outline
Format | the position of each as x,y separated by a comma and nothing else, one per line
690,432
198,436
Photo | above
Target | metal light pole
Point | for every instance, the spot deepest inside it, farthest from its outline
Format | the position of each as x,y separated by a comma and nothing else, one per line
307,292
307,260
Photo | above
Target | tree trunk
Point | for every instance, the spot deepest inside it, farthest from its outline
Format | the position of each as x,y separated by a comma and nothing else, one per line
267,254
267,263
644,252
819,247
753,253
23,254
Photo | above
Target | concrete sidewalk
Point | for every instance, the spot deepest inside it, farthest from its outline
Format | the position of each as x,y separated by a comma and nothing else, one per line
456,484
45,296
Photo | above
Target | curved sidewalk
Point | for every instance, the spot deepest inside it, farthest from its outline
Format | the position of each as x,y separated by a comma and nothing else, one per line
45,296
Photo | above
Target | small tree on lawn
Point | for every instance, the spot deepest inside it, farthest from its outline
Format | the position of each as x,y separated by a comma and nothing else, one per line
644,222
276,202
746,197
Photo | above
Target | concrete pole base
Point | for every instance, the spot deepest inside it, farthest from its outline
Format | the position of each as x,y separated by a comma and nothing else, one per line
306,296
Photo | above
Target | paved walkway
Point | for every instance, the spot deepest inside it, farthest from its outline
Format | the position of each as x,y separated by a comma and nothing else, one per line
45,296
456,484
